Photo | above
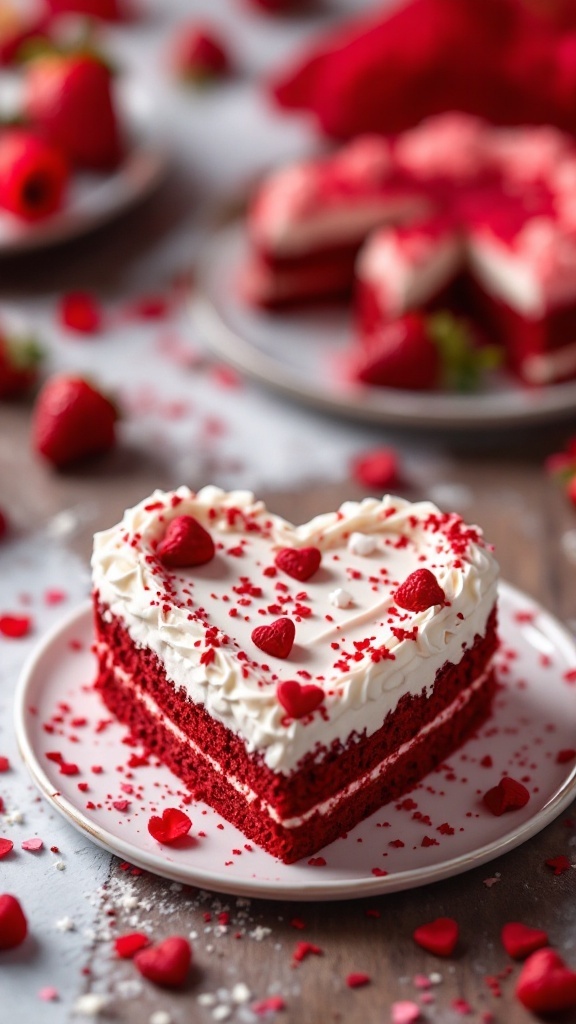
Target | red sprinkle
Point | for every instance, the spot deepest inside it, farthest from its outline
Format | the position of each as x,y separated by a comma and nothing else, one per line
558,864
304,950
15,626
376,469
80,312
126,946
357,979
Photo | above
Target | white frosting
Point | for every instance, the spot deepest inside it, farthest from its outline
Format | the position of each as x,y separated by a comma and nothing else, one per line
407,268
325,225
170,611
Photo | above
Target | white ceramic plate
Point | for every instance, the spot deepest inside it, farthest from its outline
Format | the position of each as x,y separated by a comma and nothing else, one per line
93,199
300,353
534,719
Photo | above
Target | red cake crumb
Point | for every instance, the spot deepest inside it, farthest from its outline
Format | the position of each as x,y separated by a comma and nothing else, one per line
558,864
305,949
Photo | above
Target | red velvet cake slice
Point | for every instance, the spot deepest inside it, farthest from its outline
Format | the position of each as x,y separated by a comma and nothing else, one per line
295,678
307,222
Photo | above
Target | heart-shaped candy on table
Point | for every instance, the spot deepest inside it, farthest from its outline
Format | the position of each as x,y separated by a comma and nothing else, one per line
519,940
439,936
546,984
167,963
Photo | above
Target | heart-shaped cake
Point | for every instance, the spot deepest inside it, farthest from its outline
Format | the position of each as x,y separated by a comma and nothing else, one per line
295,677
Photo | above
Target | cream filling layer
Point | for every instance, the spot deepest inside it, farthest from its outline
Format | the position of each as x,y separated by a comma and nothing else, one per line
326,807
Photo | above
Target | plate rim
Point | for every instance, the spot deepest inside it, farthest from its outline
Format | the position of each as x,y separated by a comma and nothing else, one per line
381,405
330,889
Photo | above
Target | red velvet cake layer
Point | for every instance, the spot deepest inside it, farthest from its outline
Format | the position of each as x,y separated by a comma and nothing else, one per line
206,755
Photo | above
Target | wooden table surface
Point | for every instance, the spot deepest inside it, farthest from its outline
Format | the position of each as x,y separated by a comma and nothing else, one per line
526,517
299,461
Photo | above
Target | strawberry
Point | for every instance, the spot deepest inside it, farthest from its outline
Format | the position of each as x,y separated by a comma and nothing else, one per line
68,98
72,421
34,175
20,360
421,352
104,10
13,924
199,55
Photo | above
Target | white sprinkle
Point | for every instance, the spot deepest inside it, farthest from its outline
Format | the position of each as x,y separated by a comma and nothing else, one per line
259,933
362,543
160,1017
14,818
207,999
65,924
129,902
340,598
59,865
240,993
131,988
568,542
435,978
176,887
221,1012
91,1004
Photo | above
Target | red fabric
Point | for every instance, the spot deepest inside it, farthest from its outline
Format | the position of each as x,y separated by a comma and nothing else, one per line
384,72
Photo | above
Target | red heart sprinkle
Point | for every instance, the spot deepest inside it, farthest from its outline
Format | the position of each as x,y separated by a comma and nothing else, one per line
275,639
508,795
173,824
32,844
13,924
419,591
185,543
519,940
299,563
127,945
167,963
298,700
439,936
6,845
357,979
546,984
